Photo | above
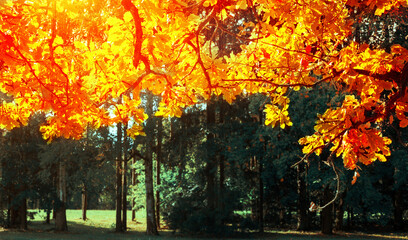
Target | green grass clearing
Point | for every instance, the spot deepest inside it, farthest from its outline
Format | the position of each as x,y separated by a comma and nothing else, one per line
101,226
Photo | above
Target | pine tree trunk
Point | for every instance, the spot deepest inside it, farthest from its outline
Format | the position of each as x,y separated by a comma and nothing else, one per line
261,199
134,177
222,136
124,181
158,164
210,167
185,119
282,221
303,223
18,215
61,217
60,209
326,217
261,186
151,228
340,213
119,226
349,218
221,183
398,210
47,219
84,202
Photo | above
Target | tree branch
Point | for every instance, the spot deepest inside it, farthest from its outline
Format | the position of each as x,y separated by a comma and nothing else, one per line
137,54
389,76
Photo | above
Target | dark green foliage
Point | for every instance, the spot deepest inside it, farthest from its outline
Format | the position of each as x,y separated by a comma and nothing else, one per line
88,163
19,167
184,208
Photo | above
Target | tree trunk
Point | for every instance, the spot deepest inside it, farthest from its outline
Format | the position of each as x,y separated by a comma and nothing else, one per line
84,202
303,223
61,217
60,211
282,220
398,210
158,164
261,185
184,121
119,226
134,177
261,199
326,217
47,218
151,228
222,136
350,219
221,184
18,215
211,164
124,181
340,213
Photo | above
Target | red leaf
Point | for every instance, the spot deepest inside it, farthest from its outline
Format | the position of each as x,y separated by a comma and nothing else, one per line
266,54
356,175
308,49
304,62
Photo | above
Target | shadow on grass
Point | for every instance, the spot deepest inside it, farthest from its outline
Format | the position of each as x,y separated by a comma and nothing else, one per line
76,230
295,235
85,230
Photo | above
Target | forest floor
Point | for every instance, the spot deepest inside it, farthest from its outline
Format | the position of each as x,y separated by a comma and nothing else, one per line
101,225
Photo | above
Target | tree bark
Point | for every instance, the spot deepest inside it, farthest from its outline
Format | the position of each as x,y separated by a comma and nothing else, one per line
261,199
119,225
47,218
326,217
221,187
61,217
124,181
151,228
339,213
84,202
350,220
18,215
134,177
221,184
398,210
210,165
303,223
158,164
261,185
60,210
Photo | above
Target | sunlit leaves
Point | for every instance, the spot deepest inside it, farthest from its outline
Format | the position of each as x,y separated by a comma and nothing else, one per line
275,115
74,60
129,110
349,134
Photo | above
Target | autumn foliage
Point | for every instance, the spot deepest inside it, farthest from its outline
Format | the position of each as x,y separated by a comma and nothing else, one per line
74,60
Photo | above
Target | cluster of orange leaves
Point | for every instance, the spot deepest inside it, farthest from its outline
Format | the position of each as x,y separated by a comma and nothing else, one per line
87,62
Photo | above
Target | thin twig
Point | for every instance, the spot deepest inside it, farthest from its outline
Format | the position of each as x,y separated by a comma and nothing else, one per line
338,185
278,84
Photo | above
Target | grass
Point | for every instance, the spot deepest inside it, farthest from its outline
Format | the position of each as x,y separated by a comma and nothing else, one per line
100,220
101,225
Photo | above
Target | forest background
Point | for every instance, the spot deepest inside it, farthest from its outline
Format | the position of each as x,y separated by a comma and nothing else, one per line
182,108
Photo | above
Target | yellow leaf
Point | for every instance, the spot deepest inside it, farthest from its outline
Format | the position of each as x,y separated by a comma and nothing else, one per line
59,50
58,40
381,157
127,17
112,21
80,45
